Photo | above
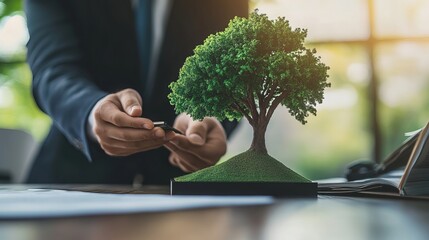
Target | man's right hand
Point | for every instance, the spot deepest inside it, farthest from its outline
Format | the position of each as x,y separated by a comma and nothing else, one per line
119,128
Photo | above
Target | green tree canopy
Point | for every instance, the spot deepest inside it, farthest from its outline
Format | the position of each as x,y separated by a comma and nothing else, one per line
249,69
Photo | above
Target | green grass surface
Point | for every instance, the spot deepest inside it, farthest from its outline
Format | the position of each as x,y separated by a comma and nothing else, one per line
249,166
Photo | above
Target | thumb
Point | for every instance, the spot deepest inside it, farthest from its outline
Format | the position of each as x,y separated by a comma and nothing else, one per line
197,132
131,102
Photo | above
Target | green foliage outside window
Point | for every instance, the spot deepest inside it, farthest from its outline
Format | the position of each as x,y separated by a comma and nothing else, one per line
17,107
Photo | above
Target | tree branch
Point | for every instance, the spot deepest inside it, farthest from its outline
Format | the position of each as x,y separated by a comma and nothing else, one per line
265,87
262,104
252,104
275,104
238,108
272,92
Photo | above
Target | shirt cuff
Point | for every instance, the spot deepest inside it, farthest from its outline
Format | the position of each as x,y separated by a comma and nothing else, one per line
90,125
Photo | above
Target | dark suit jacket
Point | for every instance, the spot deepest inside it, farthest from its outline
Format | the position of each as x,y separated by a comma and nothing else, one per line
79,51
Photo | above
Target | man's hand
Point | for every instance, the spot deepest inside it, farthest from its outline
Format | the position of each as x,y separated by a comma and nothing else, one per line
119,128
202,146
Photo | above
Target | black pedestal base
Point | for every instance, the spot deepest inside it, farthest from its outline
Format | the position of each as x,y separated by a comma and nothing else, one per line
276,189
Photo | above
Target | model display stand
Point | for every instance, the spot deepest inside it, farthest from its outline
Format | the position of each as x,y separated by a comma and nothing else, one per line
248,70
276,189
248,173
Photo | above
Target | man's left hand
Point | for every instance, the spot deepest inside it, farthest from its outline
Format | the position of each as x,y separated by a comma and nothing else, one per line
203,144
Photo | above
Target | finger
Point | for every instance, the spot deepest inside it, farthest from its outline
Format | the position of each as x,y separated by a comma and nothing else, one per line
181,142
114,147
172,159
215,129
186,167
181,122
131,102
105,130
169,135
197,132
109,112
121,152
131,146
175,161
216,137
210,151
195,162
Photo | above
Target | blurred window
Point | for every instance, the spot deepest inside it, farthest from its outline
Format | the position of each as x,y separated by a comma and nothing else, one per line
378,51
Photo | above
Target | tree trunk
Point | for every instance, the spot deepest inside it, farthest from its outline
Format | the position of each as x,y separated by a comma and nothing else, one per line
258,143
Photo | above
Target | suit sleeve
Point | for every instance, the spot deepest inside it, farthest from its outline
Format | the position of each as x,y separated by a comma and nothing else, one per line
61,86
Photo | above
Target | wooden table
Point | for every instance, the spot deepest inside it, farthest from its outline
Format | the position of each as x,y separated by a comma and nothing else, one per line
327,217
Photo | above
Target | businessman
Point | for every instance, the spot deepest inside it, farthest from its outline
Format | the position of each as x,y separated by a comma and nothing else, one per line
101,70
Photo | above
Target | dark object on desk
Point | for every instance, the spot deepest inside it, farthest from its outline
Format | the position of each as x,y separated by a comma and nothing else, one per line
404,173
166,127
275,189
362,169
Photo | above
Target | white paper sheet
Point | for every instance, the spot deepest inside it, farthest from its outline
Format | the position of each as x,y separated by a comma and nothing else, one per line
43,203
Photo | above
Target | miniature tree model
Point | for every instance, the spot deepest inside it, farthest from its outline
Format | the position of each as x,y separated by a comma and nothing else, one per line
249,69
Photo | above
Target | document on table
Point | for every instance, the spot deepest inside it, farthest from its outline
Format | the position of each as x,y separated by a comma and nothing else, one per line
46,203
